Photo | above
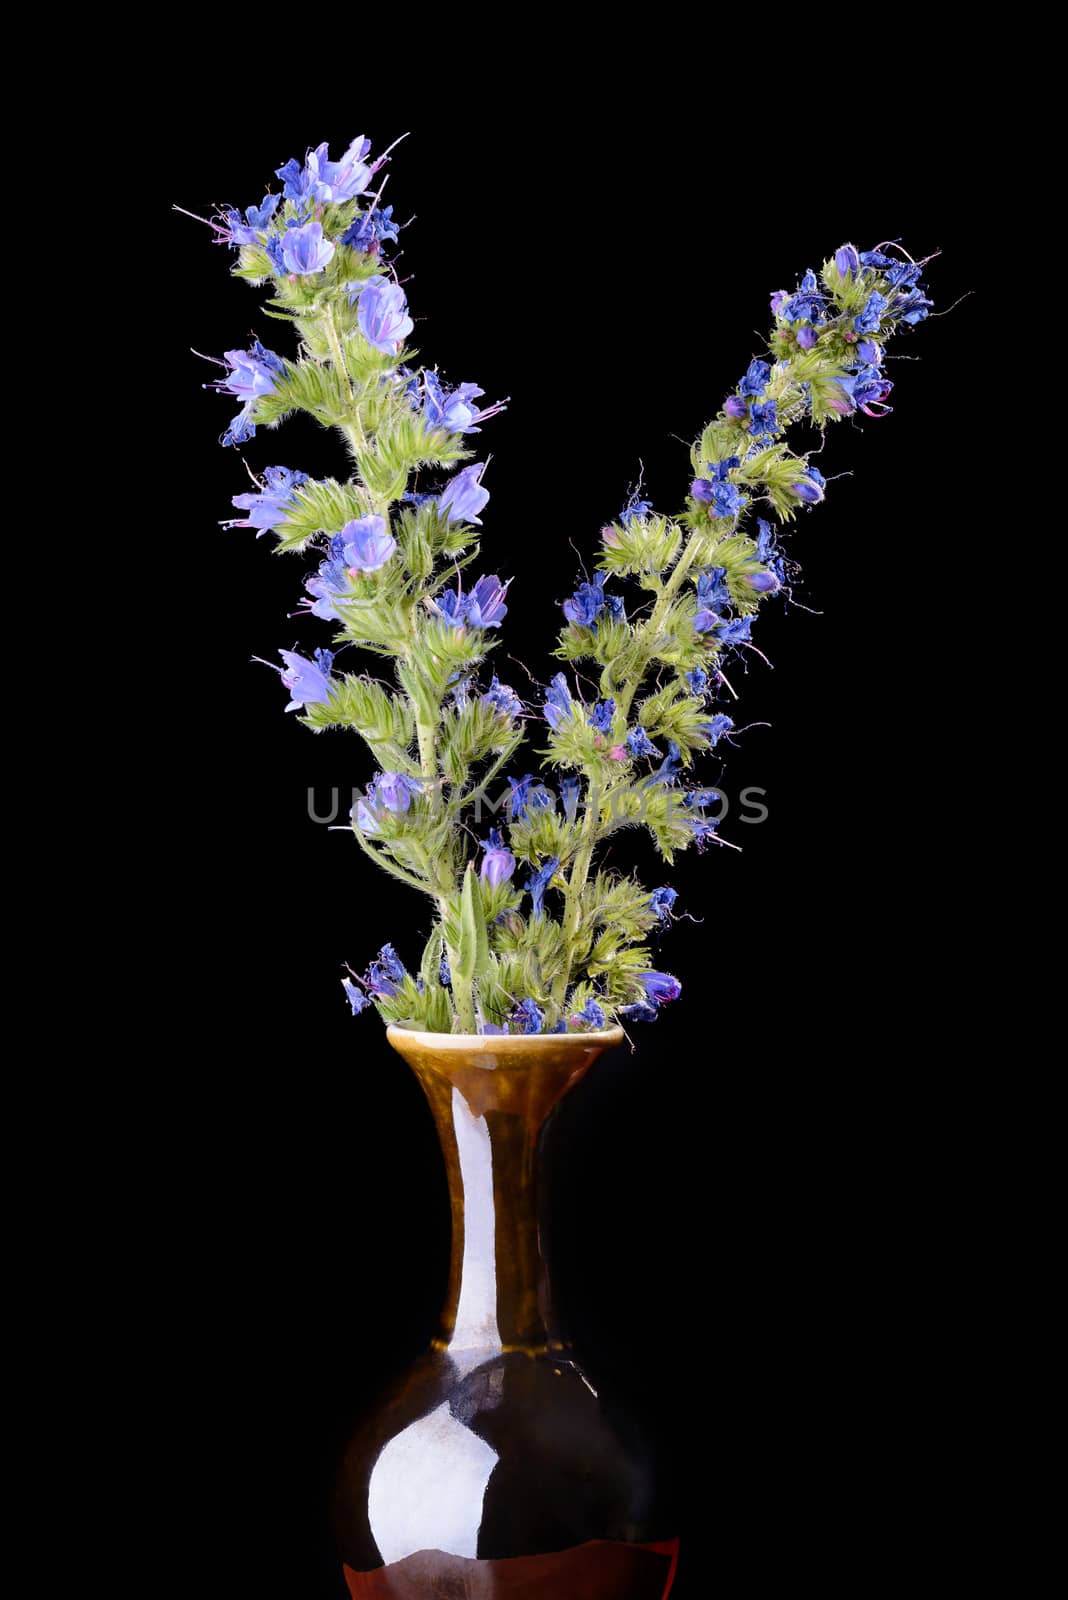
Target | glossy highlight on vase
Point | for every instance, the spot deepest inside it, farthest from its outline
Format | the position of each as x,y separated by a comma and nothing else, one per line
493,1468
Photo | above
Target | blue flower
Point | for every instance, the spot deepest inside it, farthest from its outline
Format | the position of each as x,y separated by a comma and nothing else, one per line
382,316
463,497
697,680
639,743
394,790
327,586
558,703
807,337
485,602
245,230
862,390
502,698
271,504
641,1011
912,307
538,883
867,321
896,272
453,409
444,975
528,1017
661,903
763,420
591,1016
660,987
666,771
587,603
810,489
356,997
297,182
756,378
364,543
498,863
570,789
519,798
308,682
735,631
636,508
722,498
304,250
371,229
764,582
385,973
720,725
601,716
711,590
492,1027
615,607
252,374
736,407
870,352
846,259
328,181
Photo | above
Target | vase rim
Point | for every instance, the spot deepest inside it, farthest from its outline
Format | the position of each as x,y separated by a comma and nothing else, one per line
511,1044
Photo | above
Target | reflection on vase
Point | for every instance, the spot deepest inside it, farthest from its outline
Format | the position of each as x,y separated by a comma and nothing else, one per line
492,1469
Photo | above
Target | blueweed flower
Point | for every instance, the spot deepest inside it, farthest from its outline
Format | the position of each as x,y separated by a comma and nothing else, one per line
702,831
697,680
463,497
636,508
661,902
385,973
558,703
570,789
371,230
382,316
763,420
327,587
304,250
912,307
297,181
444,973
640,1011
587,603
485,602
394,790
778,300
519,798
867,321
245,230
492,1027
720,725
308,682
870,352
328,181
640,744
810,487
540,799
895,271
756,378
498,863
667,770
529,1017
722,498
661,987
537,884
615,607
365,544
763,582
735,631
356,997
862,390
767,550
846,259
453,409
807,337
591,1016
268,506
601,716
252,374
736,407
502,698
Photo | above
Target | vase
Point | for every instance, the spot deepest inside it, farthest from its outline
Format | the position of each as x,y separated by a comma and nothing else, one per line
493,1469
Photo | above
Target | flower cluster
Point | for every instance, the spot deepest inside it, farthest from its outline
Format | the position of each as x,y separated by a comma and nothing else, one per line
529,934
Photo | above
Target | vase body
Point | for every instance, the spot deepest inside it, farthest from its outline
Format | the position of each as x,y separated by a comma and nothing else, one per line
493,1470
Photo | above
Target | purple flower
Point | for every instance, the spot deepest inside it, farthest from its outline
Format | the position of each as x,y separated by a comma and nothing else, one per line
252,374
356,997
601,716
304,250
763,582
308,682
807,336
697,680
371,229
520,796
668,768
735,631
807,304
492,1027
365,543
661,987
384,974
332,181
767,550
867,321
383,317
453,409
327,587
641,1011
846,259
870,352
723,499
862,390
570,789
528,1017
763,421
463,497
715,730
502,698
778,299
640,744
586,604
498,863
558,703
591,1016
736,407
394,790
755,380
636,508
912,307
244,230
444,975
538,883
661,903
485,602
271,504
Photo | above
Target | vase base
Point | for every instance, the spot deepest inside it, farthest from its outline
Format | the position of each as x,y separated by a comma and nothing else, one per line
601,1570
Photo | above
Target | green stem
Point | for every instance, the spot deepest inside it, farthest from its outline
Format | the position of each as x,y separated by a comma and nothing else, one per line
576,882
380,860
351,427
667,593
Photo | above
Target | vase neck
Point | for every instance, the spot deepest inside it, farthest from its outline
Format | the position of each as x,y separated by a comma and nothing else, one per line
490,1108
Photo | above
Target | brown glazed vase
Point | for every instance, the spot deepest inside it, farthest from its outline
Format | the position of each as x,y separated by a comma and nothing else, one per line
493,1470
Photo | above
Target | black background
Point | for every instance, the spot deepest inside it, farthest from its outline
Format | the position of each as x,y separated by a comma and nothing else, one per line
747,1201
